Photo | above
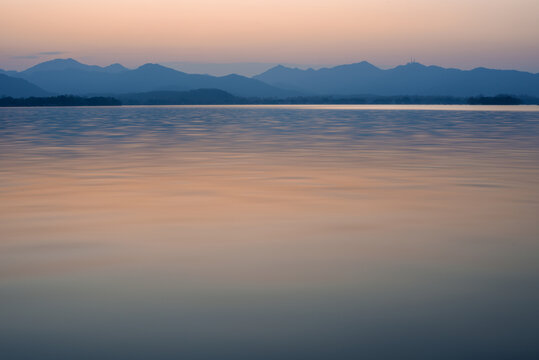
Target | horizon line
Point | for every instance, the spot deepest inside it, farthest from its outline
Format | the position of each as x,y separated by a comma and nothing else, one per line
272,65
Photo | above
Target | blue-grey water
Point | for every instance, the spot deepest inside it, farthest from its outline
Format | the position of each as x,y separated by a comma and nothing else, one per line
266,232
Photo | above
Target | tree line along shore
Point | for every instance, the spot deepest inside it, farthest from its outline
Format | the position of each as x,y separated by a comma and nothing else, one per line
219,97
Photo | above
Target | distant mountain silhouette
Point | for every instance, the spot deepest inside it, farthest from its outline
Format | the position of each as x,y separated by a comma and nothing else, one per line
72,64
16,87
68,76
114,68
410,79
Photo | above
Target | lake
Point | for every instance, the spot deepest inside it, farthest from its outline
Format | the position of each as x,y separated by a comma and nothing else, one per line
269,232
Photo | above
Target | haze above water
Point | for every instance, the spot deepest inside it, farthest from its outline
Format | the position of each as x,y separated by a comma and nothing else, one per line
269,233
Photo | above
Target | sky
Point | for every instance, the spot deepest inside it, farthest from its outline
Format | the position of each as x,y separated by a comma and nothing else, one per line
457,33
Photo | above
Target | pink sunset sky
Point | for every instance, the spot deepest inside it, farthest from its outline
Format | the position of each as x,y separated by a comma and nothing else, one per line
456,33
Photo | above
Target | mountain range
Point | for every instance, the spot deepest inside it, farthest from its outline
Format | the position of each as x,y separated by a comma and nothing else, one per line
410,79
68,76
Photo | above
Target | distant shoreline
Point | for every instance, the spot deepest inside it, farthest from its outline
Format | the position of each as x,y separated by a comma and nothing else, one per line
219,97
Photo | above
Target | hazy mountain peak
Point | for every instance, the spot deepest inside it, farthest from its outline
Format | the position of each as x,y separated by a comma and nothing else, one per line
414,65
154,67
62,61
363,65
233,76
57,64
150,66
280,69
116,67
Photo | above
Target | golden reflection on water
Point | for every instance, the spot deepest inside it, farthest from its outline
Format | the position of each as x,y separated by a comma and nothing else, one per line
257,208
300,241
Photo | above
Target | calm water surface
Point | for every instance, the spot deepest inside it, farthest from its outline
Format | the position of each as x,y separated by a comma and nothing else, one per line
269,233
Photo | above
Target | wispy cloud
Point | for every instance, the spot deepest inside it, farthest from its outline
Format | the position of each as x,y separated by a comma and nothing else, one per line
38,55
51,53
25,57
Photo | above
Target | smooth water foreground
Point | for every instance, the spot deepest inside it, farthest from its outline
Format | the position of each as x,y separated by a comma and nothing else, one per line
269,233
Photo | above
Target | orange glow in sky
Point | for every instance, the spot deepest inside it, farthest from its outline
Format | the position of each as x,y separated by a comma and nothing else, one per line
449,33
